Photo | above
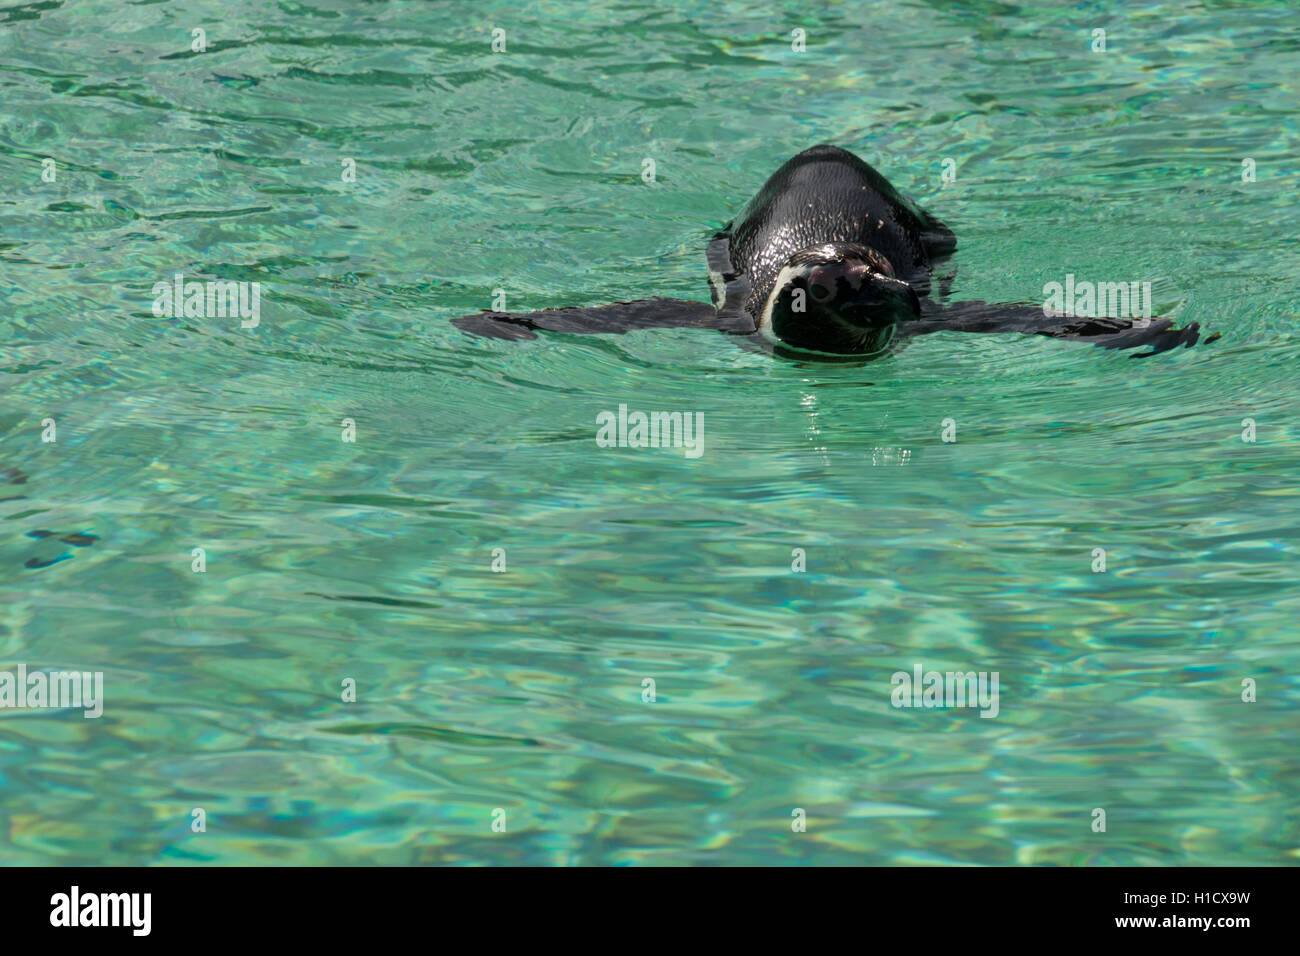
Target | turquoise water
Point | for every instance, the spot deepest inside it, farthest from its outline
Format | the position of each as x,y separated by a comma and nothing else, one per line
521,690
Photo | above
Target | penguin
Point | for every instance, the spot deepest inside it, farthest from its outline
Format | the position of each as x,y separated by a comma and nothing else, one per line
830,261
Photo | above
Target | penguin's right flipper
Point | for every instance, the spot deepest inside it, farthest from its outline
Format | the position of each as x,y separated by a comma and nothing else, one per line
1105,333
612,319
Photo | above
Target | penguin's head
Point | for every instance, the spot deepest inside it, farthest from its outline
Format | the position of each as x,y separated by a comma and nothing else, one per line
839,297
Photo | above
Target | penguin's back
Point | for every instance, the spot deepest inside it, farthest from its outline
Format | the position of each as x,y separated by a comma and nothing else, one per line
826,194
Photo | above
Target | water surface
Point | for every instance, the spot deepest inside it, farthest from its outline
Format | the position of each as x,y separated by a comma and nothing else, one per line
372,560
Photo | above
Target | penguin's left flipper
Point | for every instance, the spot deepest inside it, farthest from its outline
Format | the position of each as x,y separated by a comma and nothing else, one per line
612,319
1032,320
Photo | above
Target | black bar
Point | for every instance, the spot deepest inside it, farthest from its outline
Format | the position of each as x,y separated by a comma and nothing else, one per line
301,906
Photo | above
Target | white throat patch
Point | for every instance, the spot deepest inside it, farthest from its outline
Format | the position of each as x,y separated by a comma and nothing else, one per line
765,318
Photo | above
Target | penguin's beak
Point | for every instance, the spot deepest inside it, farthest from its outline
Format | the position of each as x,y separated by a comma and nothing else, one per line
877,301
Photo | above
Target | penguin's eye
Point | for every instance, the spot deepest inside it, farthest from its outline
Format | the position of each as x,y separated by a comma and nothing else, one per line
821,284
